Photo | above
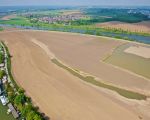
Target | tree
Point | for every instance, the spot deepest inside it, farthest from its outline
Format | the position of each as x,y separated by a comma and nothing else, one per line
2,73
30,115
21,90
37,117
26,109
20,99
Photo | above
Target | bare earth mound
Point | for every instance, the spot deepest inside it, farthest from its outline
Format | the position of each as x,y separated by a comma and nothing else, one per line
59,94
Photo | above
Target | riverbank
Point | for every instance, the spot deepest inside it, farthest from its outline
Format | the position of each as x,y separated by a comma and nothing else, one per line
139,37
16,95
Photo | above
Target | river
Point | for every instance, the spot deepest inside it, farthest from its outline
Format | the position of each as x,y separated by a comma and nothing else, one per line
134,37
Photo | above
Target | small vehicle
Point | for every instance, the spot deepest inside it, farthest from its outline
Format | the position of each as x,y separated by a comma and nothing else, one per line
4,100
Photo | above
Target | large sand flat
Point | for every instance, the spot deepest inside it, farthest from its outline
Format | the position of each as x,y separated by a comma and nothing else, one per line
86,54
58,94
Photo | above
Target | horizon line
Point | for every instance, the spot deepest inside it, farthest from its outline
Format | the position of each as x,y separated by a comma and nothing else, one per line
77,5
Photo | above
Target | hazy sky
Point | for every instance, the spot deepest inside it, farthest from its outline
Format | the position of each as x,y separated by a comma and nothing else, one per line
74,2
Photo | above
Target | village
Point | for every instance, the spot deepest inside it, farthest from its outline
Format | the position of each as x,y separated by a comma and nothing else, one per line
62,18
4,81
55,18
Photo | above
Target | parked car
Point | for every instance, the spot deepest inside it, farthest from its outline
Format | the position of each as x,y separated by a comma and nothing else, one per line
4,100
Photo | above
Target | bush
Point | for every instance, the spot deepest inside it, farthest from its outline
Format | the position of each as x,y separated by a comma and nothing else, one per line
2,73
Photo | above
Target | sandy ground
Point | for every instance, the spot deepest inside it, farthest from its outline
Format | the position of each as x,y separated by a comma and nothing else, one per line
134,27
59,94
139,50
85,53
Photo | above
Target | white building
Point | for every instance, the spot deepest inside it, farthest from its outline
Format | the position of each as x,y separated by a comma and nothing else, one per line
4,79
2,65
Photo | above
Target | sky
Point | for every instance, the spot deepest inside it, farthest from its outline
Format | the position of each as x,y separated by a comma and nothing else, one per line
76,2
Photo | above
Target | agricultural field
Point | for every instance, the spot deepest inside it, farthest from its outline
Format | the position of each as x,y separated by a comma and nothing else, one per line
133,27
17,21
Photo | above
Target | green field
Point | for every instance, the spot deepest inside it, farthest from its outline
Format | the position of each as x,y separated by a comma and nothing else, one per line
1,29
3,113
130,62
17,21
47,13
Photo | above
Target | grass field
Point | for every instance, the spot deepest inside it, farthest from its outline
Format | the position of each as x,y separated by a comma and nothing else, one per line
47,13
17,21
3,113
1,29
143,27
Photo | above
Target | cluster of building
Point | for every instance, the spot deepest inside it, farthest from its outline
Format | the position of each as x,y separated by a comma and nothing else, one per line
62,18
59,18
5,78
